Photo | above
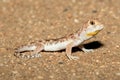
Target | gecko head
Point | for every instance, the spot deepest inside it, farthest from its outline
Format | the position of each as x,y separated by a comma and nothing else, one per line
93,27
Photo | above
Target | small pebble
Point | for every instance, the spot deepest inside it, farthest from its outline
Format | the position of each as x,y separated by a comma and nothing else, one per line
117,46
97,73
118,74
76,20
51,76
60,62
73,1
40,77
108,32
94,11
2,49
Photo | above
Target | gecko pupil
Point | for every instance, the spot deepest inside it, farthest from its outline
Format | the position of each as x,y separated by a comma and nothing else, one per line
92,22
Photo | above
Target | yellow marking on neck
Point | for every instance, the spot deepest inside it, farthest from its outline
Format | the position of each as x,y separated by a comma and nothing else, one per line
93,33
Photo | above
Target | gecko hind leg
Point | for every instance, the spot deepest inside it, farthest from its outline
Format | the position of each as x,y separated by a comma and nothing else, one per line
35,53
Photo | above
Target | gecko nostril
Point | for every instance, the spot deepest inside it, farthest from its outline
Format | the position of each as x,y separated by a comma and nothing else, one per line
92,22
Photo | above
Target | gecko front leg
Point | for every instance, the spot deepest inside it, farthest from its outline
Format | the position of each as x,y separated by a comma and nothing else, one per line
69,52
85,50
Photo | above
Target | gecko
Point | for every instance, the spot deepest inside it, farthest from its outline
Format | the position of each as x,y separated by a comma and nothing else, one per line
87,31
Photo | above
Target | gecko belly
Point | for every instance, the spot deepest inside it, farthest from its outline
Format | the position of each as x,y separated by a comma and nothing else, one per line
56,47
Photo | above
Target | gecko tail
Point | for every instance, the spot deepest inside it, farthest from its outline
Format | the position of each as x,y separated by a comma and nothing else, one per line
25,48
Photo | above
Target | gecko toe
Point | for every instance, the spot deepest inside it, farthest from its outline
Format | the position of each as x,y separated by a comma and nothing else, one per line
35,55
73,57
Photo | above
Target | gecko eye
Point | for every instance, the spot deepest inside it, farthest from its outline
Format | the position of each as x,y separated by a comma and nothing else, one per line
92,22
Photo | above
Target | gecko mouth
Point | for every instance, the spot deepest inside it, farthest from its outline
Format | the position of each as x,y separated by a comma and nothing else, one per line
93,33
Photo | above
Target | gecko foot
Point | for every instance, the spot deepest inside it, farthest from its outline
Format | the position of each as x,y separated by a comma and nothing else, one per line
35,55
73,57
87,50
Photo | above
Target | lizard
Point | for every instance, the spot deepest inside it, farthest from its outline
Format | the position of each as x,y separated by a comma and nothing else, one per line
87,31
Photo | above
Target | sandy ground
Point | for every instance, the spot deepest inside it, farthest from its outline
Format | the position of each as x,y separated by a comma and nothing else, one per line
22,21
